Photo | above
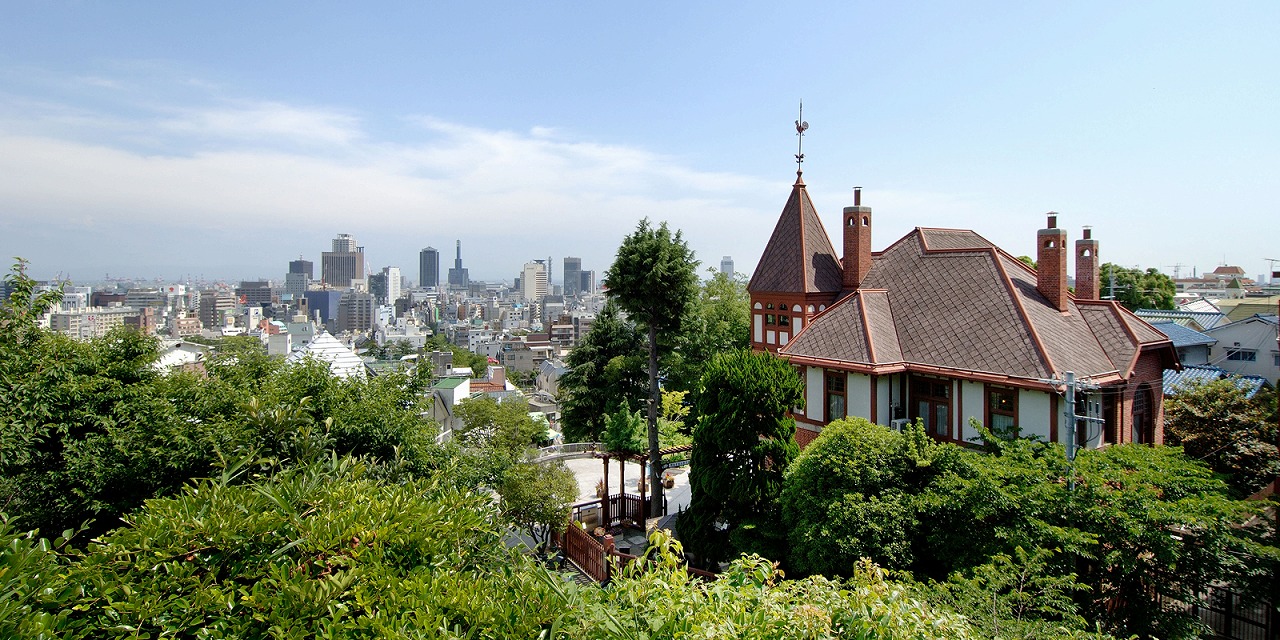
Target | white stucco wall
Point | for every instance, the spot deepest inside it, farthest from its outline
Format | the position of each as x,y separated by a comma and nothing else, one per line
858,396
1034,413
813,394
882,400
973,405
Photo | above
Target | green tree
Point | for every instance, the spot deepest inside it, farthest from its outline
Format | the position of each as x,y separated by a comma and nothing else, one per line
496,435
654,280
743,443
1137,289
536,498
851,495
624,431
718,320
1235,435
606,370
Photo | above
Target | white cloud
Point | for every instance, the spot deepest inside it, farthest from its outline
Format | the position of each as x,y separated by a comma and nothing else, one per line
524,194
267,120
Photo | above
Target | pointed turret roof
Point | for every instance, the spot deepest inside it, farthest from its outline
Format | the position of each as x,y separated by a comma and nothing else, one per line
799,257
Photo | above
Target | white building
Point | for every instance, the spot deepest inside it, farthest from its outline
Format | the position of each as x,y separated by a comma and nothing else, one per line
533,281
1247,347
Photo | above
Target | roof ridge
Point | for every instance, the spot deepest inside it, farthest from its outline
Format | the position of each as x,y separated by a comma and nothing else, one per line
1027,324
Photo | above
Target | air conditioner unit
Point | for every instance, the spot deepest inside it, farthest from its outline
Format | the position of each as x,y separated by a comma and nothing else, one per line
898,424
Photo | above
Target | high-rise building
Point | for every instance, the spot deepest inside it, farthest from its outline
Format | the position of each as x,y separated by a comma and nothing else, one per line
254,292
215,304
533,281
338,268
393,279
302,266
586,282
429,268
572,276
458,276
726,266
355,311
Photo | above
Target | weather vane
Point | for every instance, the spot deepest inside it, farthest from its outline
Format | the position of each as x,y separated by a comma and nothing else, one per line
801,127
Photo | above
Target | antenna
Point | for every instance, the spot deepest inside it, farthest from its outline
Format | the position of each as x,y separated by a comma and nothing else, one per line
801,127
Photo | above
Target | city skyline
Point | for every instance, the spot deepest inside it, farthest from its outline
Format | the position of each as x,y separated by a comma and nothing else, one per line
178,140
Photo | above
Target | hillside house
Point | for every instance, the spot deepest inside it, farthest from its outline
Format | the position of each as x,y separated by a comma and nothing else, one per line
945,327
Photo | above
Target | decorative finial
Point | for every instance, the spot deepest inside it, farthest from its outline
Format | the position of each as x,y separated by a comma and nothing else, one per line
801,127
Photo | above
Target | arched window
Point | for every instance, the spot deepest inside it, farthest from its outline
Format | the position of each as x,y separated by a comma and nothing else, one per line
1143,415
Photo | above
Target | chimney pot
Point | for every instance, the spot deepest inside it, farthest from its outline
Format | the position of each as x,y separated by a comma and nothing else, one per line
1088,233
1053,220
857,196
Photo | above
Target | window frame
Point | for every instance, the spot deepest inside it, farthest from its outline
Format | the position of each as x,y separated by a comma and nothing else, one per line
989,393
1240,354
841,380
922,390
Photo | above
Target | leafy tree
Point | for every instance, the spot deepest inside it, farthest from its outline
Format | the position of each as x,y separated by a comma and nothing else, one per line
606,370
850,495
744,441
718,320
654,280
624,431
496,435
1137,289
322,550
750,600
1235,435
1142,524
536,498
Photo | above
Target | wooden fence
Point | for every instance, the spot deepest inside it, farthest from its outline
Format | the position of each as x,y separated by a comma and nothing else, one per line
585,551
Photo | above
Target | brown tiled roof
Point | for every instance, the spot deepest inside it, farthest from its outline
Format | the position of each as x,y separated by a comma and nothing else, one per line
946,298
843,336
799,257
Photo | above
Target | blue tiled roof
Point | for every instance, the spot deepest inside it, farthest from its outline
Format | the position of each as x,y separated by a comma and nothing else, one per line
1176,381
1182,336
1206,320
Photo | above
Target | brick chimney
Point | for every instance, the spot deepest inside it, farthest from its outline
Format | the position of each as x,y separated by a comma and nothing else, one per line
1087,267
1051,263
857,242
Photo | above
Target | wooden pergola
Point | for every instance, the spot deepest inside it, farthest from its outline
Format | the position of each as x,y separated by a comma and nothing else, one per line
642,459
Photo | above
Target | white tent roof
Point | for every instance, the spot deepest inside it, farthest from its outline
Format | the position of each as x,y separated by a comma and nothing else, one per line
343,362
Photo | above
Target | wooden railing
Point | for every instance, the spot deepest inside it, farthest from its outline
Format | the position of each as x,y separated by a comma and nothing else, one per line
586,552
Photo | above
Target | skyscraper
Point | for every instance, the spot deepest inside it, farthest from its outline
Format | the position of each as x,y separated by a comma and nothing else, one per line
458,277
344,264
726,266
572,276
429,268
299,277
533,281
302,266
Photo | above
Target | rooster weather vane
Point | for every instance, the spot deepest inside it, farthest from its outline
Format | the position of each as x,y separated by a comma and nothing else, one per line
801,127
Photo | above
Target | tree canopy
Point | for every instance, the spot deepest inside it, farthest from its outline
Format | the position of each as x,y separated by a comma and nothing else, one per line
606,371
1142,523
654,279
1137,289
1216,422
743,443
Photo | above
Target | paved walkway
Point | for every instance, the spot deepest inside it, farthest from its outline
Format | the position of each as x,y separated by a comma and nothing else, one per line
589,471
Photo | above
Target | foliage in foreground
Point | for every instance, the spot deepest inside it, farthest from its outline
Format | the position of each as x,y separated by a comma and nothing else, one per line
1142,523
89,430
328,550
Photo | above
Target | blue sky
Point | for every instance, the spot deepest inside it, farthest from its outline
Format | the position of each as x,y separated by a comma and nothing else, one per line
222,140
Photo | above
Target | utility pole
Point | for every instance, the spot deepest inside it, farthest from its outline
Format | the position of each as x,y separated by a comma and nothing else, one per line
1073,419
